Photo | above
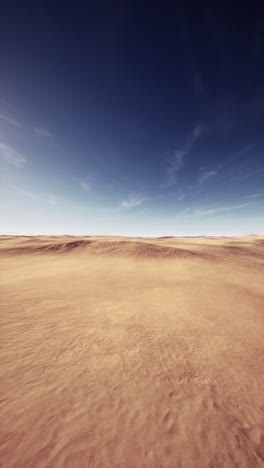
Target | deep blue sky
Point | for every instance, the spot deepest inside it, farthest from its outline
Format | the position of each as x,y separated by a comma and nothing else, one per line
131,118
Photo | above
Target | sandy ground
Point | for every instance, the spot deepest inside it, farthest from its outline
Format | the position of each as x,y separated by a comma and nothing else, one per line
121,352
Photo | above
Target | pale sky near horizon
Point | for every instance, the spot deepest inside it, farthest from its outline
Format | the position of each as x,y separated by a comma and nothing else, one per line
131,120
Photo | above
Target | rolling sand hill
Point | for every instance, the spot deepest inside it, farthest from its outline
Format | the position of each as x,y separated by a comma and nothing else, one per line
132,352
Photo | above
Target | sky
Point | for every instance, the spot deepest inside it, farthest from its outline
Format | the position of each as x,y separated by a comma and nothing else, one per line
131,118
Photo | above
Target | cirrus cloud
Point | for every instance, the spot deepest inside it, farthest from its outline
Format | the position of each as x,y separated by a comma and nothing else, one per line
176,163
11,156
132,202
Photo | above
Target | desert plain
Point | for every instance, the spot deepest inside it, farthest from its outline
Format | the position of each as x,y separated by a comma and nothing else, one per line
132,352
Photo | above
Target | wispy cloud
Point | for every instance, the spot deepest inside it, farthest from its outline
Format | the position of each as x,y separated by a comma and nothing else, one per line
207,175
43,132
49,198
83,184
52,199
254,195
132,202
10,121
176,163
14,122
200,130
180,197
11,156
247,149
195,212
226,208
247,174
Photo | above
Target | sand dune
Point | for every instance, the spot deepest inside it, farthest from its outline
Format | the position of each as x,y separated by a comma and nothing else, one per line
132,352
123,248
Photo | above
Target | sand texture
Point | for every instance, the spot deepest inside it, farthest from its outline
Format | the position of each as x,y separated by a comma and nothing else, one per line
131,352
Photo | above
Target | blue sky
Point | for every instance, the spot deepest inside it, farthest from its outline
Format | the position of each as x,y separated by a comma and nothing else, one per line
131,120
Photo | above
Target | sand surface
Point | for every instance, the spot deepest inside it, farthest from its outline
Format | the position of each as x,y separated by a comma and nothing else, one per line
131,352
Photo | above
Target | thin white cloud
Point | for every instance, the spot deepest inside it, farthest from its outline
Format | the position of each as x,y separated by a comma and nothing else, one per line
200,130
83,184
196,212
40,131
176,163
43,132
132,202
50,198
226,208
207,175
180,197
224,164
10,121
247,175
244,151
254,195
11,156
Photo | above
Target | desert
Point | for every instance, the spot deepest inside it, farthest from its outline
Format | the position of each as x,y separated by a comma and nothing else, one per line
132,352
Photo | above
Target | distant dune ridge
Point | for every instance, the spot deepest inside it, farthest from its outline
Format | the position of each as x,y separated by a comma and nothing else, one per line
133,248
138,247
132,352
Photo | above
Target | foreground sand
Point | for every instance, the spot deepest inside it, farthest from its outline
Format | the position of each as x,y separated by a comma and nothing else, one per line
119,352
